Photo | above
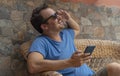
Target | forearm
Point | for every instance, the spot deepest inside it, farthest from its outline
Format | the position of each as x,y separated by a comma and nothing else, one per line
73,24
50,65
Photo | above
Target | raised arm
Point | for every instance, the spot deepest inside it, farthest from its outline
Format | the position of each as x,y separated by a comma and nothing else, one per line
71,22
74,26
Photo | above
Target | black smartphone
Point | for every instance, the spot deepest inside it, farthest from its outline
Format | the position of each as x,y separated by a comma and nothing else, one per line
89,49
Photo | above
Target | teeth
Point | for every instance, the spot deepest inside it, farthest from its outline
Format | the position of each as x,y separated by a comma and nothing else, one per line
60,21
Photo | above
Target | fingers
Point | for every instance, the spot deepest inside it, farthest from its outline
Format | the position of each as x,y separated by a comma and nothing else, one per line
77,52
79,58
87,54
76,55
82,56
86,61
60,12
64,14
87,58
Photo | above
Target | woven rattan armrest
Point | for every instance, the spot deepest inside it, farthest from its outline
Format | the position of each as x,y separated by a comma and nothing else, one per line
106,51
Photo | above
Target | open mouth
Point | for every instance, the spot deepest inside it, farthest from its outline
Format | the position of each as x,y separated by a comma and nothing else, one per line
61,22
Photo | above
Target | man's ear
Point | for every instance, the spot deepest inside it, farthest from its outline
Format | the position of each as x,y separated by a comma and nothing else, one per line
44,26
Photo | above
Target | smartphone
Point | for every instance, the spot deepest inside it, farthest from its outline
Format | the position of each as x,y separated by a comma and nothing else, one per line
89,49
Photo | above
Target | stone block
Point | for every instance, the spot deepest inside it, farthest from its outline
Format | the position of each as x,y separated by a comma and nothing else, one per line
5,23
115,11
4,13
75,7
105,21
115,21
117,36
85,21
21,5
8,3
87,30
84,36
117,29
16,15
0,31
39,2
99,32
109,33
6,46
5,63
20,25
83,10
6,28
30,3
7,31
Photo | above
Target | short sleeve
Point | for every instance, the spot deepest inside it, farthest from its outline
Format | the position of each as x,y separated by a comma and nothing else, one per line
38,45
70,32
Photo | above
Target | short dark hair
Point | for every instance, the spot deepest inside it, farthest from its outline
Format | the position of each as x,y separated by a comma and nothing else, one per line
36,19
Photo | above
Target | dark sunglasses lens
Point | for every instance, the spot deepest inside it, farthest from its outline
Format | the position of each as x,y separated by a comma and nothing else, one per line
55,16
52,16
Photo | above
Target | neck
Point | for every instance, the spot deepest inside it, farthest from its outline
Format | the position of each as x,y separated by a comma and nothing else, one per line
53,35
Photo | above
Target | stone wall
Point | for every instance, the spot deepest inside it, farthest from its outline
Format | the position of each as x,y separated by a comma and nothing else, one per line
15,28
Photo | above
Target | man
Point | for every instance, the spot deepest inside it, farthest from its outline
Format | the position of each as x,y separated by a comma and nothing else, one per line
54,49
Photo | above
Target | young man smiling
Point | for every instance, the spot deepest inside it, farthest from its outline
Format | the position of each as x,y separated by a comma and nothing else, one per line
54,49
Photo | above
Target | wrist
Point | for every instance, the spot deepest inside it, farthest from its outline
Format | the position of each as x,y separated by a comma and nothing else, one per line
70,19
69,63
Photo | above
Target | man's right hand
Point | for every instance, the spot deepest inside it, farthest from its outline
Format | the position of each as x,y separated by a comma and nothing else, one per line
79,58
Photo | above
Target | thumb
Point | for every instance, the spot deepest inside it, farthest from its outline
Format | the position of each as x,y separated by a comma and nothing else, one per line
78,51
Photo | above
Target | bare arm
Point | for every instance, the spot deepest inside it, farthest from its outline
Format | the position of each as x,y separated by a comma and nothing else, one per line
36,63
74,25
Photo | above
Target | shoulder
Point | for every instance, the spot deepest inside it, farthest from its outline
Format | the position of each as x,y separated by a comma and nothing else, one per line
68,32
39,39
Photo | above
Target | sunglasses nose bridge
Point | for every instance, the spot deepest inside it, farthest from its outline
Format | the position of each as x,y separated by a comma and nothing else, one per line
55,16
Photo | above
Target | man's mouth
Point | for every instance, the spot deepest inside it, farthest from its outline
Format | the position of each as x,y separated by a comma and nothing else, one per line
60,22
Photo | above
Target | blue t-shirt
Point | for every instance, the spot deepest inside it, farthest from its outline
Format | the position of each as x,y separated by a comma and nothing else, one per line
54,50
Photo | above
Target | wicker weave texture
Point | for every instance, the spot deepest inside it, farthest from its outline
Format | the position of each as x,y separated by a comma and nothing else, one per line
104,48
105,52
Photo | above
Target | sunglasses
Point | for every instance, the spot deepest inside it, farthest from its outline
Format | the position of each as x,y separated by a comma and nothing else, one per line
52,16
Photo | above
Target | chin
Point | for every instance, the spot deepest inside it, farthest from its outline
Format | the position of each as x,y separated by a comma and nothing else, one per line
62,27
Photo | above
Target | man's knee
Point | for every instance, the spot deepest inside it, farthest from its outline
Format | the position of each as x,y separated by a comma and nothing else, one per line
112,67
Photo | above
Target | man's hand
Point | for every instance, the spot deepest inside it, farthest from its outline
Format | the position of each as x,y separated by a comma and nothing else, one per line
64,14
79,58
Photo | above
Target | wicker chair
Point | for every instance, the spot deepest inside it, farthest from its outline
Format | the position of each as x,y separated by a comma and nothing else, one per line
106,51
